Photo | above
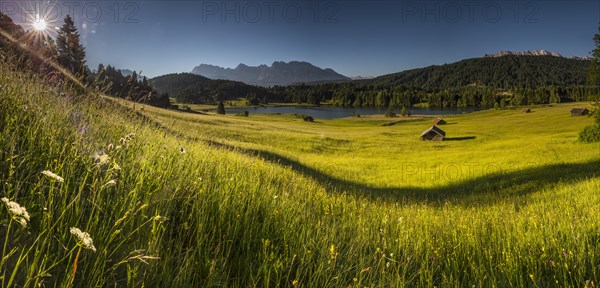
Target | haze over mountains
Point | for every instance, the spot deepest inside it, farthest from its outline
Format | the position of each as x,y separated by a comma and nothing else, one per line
278,74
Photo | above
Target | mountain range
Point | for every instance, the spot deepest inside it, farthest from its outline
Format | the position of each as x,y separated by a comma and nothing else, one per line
278,74
532,53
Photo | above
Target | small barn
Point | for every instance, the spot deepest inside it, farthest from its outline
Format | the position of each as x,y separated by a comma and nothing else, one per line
433,134
438,121
579,111
526,110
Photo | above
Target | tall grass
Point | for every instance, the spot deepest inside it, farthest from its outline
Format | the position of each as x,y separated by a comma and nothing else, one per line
217,215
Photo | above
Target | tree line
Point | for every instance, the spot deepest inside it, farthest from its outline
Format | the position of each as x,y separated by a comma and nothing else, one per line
194,89
480,82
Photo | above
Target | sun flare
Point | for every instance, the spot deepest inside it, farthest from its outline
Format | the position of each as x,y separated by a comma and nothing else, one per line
39,24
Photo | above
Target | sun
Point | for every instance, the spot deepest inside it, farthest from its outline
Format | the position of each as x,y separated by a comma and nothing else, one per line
39,24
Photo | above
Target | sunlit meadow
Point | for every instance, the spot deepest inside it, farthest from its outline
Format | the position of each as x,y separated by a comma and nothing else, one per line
97,192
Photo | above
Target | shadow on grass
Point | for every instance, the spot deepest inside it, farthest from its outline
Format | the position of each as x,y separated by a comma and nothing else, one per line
484,190
459,138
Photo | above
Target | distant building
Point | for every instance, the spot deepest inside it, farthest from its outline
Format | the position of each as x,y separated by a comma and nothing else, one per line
433,134
579,111
438,121
526,110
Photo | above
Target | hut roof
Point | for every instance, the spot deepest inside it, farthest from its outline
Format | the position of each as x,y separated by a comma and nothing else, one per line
579,110
438,120
434,129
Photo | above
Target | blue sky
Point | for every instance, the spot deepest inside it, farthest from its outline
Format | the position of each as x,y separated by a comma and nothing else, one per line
366,38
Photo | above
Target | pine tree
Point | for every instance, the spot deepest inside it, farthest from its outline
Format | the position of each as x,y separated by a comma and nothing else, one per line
592,133
221,108
594,72
101,69
594,76
390,113
71,54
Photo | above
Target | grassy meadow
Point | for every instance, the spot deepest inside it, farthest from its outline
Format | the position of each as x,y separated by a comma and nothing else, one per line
175,199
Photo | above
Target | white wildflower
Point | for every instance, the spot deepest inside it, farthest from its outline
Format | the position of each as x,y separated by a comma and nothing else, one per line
110,147
17,212
101,159
53,176
127,138
181,149
83,238
110,183
118,147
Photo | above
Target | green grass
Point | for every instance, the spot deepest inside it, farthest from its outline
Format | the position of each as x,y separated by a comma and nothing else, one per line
273,201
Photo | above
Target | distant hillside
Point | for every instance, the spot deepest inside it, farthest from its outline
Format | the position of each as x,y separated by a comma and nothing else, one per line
278,74
506,72
190,88
479,82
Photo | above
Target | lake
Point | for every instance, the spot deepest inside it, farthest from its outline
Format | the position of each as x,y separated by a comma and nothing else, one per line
333,112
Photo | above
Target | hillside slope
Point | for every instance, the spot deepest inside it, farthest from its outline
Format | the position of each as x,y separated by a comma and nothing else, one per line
498,72
180,200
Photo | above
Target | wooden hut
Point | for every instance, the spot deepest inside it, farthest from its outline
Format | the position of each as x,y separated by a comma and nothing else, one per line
433,134
526,110
579,111
438,121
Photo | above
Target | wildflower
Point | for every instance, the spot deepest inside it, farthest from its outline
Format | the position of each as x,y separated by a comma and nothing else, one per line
53,176
118,147
17,212
295,283
101,159
110,183
332,254
181,149
83,239
127,138
110,147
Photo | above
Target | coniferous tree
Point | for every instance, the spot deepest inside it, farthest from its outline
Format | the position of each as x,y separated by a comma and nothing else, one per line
8,26
71,54
592,133
221,108
594,72
594,75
